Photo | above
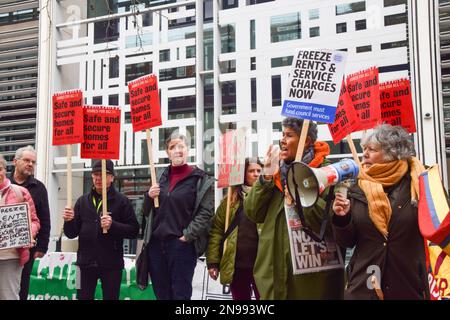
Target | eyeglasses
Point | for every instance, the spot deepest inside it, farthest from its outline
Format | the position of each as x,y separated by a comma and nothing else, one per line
33,162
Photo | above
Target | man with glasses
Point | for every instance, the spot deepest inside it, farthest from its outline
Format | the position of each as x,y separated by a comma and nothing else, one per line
100,255
24,165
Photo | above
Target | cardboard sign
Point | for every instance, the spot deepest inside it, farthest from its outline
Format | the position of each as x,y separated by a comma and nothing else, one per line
101,132
308,255
15,226
314,85
144,103
232,158
363,88
346,120
67,117
439,272
396,104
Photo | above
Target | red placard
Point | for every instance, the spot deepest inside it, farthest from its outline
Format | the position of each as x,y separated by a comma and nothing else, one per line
396,104
232,158
364,91
101,132
346,120
144,103
67,117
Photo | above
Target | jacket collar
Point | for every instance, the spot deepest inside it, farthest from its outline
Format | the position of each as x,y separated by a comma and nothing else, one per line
29,181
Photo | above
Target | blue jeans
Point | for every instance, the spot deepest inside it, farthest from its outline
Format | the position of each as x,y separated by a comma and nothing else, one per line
171,265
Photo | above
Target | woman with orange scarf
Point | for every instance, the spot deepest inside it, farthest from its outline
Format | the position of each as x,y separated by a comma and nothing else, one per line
380,220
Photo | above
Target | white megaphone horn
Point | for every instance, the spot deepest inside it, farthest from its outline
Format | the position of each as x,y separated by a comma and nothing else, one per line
310,182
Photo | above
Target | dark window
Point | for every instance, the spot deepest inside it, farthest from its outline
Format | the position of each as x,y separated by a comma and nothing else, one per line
164,55
227,66
134,71
252,34
113,100
276,91
114,67
393,19
389,3
97,100
177,73
314,32
147,19
252,2
190,52
281,61
19,16
360,25
395,44
347,8
106,31
285,27
229,97
229,4
208,10
363,49
253,93
181,107
228,38
341,27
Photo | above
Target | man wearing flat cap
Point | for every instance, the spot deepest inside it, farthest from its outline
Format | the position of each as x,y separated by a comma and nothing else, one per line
100,255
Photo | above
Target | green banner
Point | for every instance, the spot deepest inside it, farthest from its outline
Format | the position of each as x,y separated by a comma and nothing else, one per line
54,278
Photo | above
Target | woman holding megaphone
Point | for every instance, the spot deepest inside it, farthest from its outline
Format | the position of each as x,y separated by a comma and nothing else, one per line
380,220
265,203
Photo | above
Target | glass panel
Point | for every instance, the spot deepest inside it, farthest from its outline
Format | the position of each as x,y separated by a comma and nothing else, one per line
276,91
285,27
227,34
347,8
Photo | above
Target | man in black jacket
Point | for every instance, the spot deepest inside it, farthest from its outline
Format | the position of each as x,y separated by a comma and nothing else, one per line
100,255
24,165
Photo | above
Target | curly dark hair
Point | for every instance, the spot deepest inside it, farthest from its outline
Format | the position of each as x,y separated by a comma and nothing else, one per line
297,124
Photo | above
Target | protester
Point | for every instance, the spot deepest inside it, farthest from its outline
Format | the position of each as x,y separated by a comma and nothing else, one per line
177,232
100,255
12,260
236,263
24,165
273,270
380,220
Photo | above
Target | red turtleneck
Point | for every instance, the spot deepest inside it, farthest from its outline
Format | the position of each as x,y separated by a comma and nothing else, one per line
177,174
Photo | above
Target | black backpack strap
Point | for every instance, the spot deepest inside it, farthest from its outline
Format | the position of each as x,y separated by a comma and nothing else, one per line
323,225
237,218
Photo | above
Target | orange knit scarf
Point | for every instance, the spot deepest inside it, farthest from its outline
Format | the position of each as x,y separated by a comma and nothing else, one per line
372,181
321,150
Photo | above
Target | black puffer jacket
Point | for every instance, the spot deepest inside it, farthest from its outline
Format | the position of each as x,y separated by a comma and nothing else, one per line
400,258
96,248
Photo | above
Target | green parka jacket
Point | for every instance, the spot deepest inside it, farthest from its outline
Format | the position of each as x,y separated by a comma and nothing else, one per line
273,266
213,254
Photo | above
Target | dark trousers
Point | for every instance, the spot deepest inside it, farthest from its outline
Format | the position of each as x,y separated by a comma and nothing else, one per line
171,265
242,285
110,279
26,273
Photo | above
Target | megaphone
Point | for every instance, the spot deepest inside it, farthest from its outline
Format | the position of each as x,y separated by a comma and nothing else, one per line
310,182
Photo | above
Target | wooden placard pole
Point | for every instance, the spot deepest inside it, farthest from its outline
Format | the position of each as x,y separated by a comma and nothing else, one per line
377,287
353,149
152,165
104,197
227,217
69,184
301,142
